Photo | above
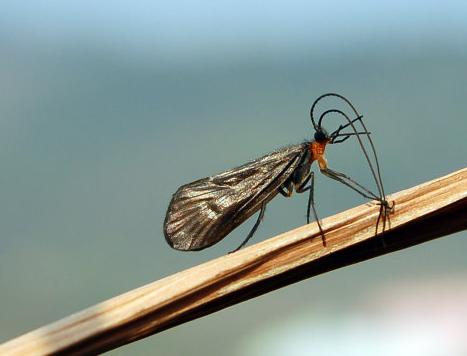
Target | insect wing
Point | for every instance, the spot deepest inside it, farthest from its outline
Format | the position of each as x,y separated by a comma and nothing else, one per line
203,212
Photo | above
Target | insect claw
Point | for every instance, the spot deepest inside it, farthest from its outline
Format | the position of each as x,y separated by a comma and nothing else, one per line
387,208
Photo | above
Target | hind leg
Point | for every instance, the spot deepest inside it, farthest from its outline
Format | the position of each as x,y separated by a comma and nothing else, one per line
253,230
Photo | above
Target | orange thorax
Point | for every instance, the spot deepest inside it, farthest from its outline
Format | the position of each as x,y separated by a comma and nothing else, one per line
317,153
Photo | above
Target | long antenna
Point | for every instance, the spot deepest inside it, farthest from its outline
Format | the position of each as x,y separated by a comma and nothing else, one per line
360,142
376,174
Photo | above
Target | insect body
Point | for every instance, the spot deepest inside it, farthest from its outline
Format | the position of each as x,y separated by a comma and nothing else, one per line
203,212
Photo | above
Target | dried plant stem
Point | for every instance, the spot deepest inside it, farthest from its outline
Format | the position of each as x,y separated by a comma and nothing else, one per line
427,211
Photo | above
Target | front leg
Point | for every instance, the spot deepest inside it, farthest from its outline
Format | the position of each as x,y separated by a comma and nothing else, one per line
346,180
349,182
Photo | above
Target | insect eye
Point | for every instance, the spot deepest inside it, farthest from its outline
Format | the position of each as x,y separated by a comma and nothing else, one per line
321,135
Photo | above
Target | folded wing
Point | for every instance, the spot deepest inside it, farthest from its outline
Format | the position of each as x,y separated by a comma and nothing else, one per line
205,211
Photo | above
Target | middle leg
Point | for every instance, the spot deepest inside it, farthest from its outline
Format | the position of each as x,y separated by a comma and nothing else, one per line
311,202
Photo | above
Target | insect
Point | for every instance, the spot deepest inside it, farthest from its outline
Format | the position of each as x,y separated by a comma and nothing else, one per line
203,212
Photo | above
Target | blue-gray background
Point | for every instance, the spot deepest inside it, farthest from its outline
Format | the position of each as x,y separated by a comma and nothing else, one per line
107,107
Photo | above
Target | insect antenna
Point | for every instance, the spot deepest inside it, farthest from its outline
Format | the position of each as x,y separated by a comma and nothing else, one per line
360,142
346,136
375,169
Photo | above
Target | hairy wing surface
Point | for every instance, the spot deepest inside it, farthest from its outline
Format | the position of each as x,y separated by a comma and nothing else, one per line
203,212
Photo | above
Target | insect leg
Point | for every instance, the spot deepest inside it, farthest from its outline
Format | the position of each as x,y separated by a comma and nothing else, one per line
253,230
301,189
311,202
352,184
384,213
289,189
384,205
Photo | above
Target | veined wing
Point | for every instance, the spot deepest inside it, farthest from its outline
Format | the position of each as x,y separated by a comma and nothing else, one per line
205,211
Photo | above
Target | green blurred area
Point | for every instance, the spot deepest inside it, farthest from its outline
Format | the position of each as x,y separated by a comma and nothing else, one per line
93,144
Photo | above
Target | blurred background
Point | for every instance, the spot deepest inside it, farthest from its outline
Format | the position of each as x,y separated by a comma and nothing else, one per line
107,107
